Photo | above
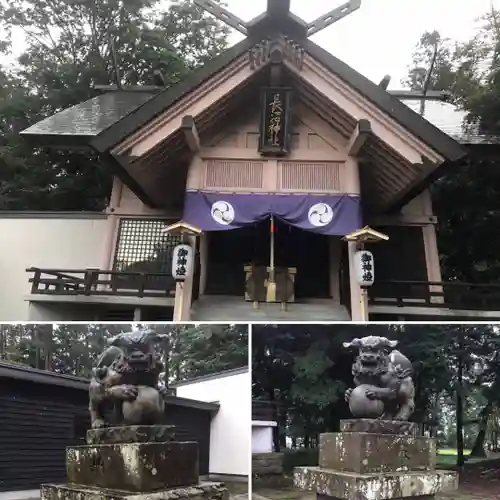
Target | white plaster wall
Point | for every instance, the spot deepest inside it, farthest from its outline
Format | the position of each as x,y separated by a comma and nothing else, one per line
231,427
262,439
71,243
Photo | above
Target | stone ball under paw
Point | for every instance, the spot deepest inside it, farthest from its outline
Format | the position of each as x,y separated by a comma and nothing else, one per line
361,406
146,408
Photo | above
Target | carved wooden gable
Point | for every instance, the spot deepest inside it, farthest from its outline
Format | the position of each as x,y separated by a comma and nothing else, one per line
317,163
310,136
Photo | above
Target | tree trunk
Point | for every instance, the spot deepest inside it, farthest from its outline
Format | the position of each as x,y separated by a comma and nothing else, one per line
459,408
282,430
276,430
166,368
478,448
307,443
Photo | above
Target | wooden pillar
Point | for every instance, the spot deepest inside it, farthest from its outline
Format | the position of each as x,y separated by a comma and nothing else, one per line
109,242
432,260
137,314
112,225
184,290
358,299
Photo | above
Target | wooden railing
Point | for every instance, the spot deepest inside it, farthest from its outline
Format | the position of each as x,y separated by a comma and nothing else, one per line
446,294
100,282
264,410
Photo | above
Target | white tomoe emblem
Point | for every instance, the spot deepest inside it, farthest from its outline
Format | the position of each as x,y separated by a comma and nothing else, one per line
222,212
320,214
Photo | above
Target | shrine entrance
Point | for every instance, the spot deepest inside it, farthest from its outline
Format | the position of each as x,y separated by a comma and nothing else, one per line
230,251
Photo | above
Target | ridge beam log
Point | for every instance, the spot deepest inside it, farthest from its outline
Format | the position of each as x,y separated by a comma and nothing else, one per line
223,15
278,9
358,137
332,17
191,133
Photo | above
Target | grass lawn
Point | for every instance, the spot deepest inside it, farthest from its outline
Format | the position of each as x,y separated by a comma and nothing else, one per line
451,451
447,457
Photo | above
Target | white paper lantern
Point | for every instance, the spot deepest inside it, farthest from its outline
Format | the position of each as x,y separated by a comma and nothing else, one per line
182,262
365,267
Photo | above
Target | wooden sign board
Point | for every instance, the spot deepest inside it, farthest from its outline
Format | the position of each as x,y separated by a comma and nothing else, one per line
276,110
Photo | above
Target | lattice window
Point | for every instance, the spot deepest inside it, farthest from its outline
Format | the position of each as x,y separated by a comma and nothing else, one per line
311,177
142,247
234,174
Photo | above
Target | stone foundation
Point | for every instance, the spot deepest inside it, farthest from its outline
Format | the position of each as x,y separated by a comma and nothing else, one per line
202,491
375,460
134,462
354,486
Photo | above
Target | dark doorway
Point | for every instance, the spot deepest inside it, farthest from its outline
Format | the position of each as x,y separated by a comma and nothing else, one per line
229,251
309,253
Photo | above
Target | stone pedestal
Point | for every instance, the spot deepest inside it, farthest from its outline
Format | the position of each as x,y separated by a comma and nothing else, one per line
375,460
133,461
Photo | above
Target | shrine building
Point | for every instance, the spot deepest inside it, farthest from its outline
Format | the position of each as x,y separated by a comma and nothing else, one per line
264,160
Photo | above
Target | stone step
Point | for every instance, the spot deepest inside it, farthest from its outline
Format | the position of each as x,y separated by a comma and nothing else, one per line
224,307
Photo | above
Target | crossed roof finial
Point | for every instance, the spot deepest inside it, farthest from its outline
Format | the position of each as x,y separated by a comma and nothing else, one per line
279,9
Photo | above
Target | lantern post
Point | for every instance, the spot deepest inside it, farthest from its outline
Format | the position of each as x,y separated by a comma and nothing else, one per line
183,262
362,264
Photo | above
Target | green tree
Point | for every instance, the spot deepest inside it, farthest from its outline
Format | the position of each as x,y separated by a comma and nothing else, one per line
197,350
431,45
69,50
192,350
470,71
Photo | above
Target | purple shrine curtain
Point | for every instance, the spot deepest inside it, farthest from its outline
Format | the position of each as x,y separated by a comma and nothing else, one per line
325,214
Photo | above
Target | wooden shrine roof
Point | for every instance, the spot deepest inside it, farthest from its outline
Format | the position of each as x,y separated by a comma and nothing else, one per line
79,124
108,119
110,122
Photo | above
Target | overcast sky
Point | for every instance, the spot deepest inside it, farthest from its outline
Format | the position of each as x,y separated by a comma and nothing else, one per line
379,38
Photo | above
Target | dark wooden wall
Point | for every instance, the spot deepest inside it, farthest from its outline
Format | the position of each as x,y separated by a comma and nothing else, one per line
38,422
402,258
192,425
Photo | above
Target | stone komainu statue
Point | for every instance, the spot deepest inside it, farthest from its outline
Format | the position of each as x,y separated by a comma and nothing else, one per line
127,375
384,387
